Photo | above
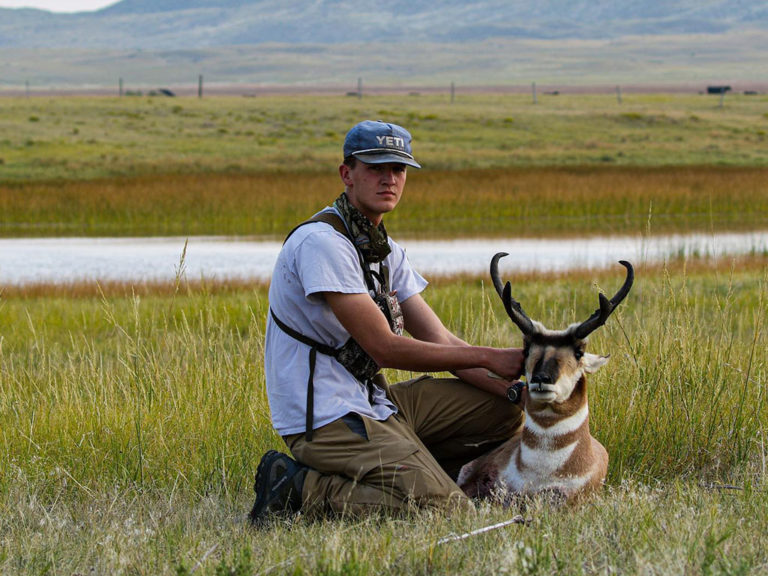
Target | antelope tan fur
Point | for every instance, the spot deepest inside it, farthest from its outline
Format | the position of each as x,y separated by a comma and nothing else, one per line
554,451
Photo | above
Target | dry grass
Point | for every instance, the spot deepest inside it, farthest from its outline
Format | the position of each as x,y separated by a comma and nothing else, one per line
574,201
127,289
508,202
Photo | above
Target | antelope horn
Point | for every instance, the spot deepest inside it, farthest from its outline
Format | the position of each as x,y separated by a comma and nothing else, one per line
512,306
607,307
495,273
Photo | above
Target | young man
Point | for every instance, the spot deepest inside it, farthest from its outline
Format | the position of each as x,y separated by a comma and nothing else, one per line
341,293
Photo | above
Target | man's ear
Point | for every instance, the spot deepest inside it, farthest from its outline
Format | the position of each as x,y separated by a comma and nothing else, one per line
344,173
592,362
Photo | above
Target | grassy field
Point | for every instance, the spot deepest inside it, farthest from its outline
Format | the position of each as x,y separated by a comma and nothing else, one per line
133,421
132,426
47,138
494,164
132,417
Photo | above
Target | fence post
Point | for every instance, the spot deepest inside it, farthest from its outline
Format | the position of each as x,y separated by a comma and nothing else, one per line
120,89
26,87
359,87
618,94
200,86
533,89
453,92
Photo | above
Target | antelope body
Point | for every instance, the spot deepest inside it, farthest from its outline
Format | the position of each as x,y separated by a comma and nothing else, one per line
554,451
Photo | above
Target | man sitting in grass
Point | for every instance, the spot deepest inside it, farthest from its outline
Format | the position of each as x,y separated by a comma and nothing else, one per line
342,294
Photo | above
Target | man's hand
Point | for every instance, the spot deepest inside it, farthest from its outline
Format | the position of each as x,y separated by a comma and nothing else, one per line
510,363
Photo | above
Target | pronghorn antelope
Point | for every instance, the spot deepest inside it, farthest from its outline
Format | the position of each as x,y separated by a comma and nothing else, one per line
554,451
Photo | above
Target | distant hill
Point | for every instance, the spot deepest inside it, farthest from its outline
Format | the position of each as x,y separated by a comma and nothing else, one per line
187,24
310,43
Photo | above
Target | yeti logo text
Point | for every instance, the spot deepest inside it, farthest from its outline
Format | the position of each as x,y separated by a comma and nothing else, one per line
391,141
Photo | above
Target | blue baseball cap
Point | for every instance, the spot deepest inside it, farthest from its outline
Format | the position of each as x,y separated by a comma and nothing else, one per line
376,142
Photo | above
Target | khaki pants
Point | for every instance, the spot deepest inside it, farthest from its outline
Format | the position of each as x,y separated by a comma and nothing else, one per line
358,464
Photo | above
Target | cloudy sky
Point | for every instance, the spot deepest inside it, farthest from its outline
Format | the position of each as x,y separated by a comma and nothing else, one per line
58,5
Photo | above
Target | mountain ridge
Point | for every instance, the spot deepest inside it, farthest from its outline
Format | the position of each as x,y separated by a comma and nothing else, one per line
167,24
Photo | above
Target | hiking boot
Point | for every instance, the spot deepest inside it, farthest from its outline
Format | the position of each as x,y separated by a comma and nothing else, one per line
279,481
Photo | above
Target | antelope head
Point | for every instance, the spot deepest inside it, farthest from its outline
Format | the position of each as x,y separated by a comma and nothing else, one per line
556,360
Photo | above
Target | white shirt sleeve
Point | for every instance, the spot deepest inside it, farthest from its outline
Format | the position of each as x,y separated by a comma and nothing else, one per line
404,279
326,261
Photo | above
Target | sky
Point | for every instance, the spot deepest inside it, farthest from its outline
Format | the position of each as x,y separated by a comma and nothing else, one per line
58,5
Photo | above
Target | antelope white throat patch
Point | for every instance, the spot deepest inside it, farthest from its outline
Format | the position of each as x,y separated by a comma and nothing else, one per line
564,426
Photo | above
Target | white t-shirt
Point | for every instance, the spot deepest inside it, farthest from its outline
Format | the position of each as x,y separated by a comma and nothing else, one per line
316,258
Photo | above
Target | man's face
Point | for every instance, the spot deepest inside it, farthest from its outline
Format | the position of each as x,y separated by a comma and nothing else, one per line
374,189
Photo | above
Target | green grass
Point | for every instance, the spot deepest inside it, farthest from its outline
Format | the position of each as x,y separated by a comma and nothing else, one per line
78,138
132,424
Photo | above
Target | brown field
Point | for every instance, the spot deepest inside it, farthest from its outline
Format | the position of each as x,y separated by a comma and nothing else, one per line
492,202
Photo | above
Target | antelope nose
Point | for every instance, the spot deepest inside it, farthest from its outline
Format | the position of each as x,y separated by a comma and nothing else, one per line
541,379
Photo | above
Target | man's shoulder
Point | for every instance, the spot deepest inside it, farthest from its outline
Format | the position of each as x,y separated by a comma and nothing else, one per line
315,231
320,237
326,219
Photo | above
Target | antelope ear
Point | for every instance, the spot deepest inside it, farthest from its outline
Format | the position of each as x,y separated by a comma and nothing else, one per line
592,362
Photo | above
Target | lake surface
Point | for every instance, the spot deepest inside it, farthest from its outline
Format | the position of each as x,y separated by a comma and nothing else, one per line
60,260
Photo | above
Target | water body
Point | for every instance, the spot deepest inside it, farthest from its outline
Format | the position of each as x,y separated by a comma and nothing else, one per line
62,260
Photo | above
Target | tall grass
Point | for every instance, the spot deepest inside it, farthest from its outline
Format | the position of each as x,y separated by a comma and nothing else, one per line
132,424
503,202
140,388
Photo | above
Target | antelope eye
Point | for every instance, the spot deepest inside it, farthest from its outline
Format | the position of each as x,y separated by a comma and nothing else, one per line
578,354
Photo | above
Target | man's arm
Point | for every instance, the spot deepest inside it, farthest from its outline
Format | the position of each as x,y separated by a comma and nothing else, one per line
422,323
432,348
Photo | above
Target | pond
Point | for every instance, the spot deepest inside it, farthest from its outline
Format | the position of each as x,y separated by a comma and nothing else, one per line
63,260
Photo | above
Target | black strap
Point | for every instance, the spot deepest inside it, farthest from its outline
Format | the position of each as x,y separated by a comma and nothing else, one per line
310,418
314,347
324,348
